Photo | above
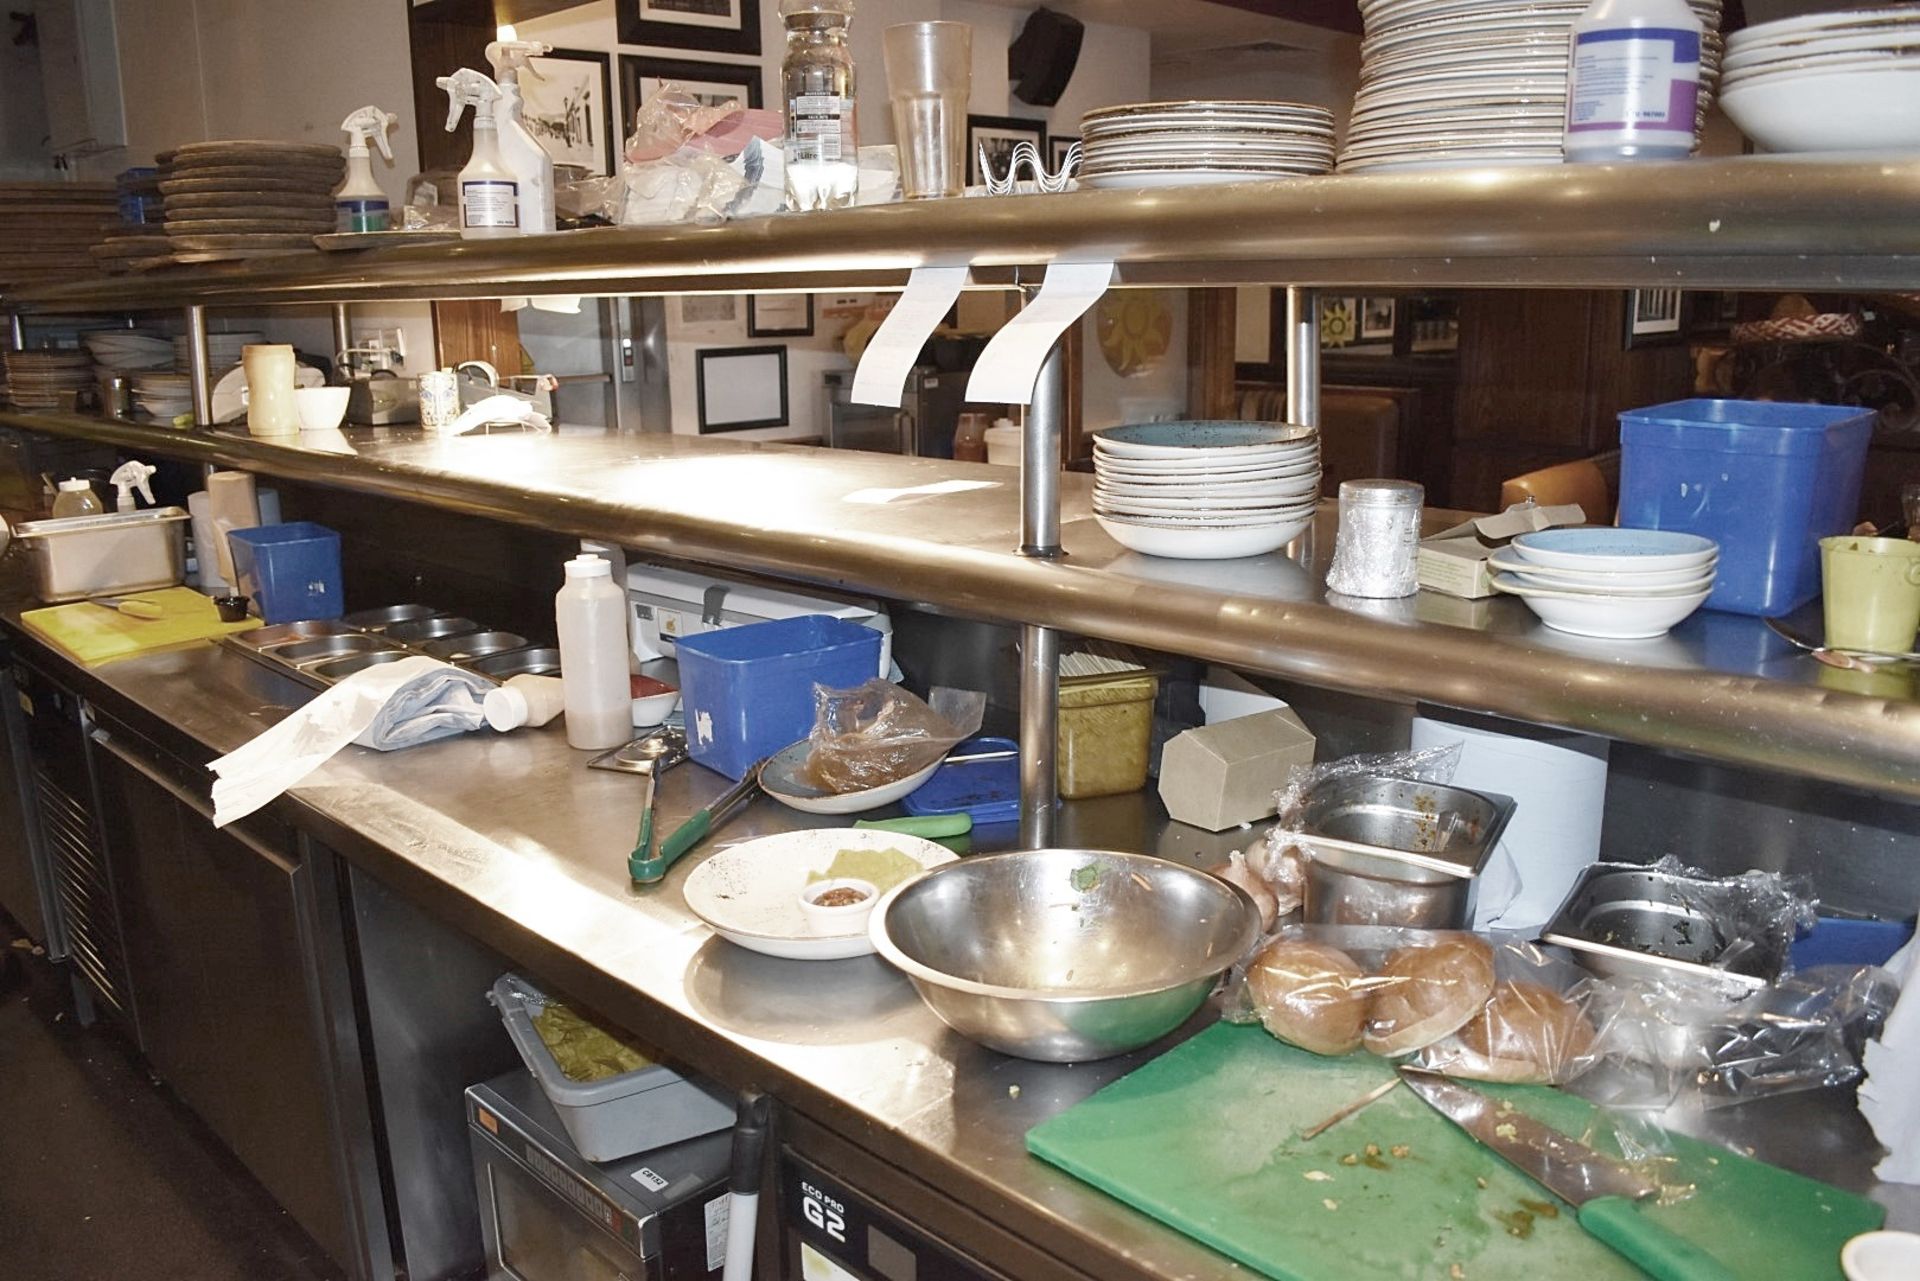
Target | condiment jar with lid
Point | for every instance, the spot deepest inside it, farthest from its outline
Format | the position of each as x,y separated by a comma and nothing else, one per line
817,79
1377,551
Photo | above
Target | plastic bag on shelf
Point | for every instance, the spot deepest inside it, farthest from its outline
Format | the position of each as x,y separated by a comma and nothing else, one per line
878,733
689,162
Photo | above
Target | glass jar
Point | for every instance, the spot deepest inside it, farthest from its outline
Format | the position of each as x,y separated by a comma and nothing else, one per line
817,79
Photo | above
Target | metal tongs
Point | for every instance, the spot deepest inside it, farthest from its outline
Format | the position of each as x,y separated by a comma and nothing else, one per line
646,867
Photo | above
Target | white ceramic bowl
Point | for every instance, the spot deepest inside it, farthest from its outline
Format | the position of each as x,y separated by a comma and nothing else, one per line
1609,617
1203,542
1862,109
1600,580
1882,1256
844,919
782,779
1183,440
1600,549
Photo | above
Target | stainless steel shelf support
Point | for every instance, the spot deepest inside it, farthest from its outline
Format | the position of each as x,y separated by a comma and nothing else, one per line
17,332
1040,646
342,331
199,366
1303,356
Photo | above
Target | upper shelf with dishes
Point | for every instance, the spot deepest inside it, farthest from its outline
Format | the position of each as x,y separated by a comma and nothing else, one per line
1783,222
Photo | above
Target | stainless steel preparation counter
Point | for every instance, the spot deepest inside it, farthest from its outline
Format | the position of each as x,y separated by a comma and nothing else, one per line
511,839
944,534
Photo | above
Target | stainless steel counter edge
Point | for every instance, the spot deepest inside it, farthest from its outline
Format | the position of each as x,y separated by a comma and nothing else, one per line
1718,687
1745,221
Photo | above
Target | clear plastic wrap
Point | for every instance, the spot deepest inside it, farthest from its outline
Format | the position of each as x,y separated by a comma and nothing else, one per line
878,733
688,162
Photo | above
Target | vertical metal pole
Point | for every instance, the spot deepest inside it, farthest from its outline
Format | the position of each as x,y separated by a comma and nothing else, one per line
1303,356
17,331
199,373
1040,646
342,334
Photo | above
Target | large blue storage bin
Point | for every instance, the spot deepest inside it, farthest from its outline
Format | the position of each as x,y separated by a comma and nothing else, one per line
747,691
291,571
1765,480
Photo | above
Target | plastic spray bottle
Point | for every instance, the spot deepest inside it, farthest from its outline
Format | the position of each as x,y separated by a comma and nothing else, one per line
128,477
489,190
1633,81
360,205
520,150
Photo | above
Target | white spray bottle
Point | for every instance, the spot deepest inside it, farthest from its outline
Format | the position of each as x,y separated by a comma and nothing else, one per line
489,191
360,205
521,151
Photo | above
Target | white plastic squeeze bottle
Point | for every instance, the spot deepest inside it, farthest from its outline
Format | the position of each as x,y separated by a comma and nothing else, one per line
76,498
1633,81
590,614
524,700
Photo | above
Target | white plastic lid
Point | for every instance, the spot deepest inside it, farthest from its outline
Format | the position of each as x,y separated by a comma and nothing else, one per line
506,708
75,486
589,567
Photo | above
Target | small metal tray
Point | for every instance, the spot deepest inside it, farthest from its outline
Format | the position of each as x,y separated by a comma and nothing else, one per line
378,620
1428,825
543,660
319,653
1625,920
418,630
461,649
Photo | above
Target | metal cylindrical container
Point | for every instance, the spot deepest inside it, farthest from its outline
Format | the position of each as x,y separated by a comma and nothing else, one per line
1379,541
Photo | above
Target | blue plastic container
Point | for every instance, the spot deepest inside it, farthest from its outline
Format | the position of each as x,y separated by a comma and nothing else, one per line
747,691
1838,940
291,571
1766,481
980,777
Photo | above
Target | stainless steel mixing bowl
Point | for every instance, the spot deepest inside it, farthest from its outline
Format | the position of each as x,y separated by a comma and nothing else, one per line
1064,955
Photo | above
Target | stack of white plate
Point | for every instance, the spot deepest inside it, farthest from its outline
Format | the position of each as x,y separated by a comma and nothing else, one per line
1828,81
163,394
1206,490
223,349
124,349
1184,144
1450,83
1623,584
48,379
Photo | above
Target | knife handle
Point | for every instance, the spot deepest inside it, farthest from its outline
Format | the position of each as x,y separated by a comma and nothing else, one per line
1661,1253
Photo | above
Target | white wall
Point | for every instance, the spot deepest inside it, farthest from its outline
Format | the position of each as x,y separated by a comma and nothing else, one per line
23,113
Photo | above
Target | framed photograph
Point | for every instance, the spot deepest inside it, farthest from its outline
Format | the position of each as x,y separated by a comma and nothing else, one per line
569,108
780,316
998,134
715,26
741,387
1653,317
1339,321
1056,152
1377,316
713,83
1433,325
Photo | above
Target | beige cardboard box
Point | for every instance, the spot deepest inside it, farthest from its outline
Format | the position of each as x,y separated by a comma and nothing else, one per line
1222,775
1454,560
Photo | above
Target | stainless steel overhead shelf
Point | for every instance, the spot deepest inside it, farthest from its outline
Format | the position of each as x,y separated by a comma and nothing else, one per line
1721,686
1788,222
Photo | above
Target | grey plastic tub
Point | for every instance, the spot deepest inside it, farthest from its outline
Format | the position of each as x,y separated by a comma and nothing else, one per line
621,1115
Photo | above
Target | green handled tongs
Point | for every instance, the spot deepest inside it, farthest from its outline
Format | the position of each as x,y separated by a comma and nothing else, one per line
647,867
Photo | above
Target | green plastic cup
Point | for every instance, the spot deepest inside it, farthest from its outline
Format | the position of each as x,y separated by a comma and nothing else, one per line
1872,593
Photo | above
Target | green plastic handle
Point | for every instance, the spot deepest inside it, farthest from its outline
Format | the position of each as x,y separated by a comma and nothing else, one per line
931,826
640,860
684,837
1660,1253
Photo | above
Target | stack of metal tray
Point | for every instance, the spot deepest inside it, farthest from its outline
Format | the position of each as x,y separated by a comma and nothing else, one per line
321,653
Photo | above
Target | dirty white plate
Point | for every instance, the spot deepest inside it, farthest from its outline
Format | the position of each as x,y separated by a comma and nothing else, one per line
749,894
781,778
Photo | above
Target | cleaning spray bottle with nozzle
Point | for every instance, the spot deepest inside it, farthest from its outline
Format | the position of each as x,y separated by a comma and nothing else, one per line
129,476
489,191
360,205
519,149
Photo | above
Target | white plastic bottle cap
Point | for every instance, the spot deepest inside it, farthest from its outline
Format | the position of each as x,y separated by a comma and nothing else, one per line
74,486
506,708
589,567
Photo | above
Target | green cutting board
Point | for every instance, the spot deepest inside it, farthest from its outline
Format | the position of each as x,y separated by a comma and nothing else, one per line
1206,1138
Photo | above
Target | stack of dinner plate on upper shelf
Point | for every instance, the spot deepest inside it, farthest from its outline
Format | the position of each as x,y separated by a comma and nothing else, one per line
123,349
1455,83
1206,490
1828,81
1185,144
162,393
50,379
1622,584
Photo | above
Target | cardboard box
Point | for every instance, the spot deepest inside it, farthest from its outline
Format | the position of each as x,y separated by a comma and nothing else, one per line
1222,775
1454,560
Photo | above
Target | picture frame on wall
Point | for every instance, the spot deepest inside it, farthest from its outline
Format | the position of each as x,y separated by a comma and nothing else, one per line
1377,318
780,316
568,108
1654,317
999,134
712,26
711,82
741,388
1339,320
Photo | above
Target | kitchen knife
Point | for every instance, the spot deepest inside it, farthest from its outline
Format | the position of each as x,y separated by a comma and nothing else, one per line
1605,1193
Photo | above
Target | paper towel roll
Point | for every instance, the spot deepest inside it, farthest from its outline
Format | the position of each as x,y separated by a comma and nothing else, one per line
1559,781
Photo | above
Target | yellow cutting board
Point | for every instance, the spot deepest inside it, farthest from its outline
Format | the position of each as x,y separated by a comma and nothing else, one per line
92,634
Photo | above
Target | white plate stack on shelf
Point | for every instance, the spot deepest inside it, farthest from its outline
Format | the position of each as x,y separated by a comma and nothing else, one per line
1620,584
50,379
1206,490
223,350
162,393
1455,83
1185,144
1828,81
122,350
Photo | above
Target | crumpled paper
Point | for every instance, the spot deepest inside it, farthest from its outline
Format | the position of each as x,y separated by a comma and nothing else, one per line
387,707
1887,1097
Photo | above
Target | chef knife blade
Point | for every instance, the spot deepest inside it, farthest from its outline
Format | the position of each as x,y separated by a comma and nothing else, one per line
1604,1192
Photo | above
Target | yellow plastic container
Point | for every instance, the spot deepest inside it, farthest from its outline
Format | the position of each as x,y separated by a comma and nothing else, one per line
1106,726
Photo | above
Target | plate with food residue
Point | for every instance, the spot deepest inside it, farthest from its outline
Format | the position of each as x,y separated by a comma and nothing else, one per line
749,893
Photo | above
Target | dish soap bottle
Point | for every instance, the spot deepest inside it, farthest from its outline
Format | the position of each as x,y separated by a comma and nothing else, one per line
1633,81
360,205
489,191
590,614
76,498
817,76
519,149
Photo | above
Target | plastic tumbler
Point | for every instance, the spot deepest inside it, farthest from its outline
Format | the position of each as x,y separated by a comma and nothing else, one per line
929,78
1872,593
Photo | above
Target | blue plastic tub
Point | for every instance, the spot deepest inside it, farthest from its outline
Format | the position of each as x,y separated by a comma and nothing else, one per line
1839,940
1766,481
747,691
291,571
980,777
